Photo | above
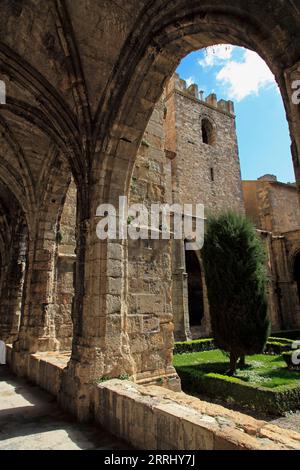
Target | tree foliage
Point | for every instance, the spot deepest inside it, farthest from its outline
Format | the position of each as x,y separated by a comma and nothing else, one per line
235,268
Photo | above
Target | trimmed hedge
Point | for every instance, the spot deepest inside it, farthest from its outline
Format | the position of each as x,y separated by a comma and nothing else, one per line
291,334
281,340
287,357
200,345
274,346
271,401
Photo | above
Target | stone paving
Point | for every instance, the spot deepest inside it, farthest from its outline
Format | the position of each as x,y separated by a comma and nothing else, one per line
290,421
31,420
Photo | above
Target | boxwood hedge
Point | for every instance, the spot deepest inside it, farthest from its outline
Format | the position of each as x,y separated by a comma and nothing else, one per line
271,401
291,334
274,346
287,357
194,346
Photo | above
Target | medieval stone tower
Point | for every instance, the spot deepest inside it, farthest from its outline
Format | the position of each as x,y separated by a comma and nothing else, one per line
202,143
189,155
201,133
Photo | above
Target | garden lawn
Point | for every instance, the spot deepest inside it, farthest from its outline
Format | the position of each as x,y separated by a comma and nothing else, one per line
262,370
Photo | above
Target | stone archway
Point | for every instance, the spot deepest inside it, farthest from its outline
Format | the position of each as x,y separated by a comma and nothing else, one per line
133,91
92,97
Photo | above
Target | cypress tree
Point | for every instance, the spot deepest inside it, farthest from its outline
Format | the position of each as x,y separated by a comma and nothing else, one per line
234,262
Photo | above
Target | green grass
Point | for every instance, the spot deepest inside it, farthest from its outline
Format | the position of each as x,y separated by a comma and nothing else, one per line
262,370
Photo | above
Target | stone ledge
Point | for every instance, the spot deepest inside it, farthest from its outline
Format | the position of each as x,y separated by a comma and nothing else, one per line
44,369
151,417
154,418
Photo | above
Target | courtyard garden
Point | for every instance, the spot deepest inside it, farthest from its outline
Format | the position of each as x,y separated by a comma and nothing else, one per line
265,384
242,364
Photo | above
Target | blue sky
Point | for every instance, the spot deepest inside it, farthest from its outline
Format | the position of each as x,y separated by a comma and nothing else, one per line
242,76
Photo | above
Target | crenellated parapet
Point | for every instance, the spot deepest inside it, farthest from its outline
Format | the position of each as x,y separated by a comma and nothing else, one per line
178,84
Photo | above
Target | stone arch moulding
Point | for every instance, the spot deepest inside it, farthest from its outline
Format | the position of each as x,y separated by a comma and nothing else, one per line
156,59
37,330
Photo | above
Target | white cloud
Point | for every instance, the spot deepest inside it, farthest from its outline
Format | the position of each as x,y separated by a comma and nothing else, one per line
246,77
190,81
216,55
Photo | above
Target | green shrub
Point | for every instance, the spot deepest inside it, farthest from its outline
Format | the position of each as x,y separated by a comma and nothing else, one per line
272,347
234,263
276,347
194,346
275,401
281,340
291,334
287,357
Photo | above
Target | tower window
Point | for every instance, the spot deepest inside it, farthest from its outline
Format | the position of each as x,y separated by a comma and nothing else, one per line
208,136
212,174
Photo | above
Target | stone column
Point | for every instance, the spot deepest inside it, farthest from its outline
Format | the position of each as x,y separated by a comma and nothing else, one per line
292,79
37,329
206,322
100,342
123,323
12,287
286,294
180,293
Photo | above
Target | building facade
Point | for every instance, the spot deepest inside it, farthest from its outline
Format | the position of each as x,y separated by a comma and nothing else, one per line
273,207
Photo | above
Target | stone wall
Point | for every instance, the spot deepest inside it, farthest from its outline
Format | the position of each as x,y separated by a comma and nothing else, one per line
65,270
150,319
285,250
154,418
272,206
284,201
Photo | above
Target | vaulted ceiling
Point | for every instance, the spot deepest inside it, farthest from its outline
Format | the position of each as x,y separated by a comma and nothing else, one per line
67,64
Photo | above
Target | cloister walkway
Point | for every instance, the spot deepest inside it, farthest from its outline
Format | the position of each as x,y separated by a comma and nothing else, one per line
31,420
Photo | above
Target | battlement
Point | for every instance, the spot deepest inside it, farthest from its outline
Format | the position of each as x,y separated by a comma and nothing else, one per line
177,83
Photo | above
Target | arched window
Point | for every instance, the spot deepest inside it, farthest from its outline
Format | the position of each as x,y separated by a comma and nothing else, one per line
208,133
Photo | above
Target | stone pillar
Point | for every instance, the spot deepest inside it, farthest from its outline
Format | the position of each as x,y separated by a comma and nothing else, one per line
123,323
100,342
287,298
206,322
12,287
64,295
37,329
180,293
272,245
292,78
